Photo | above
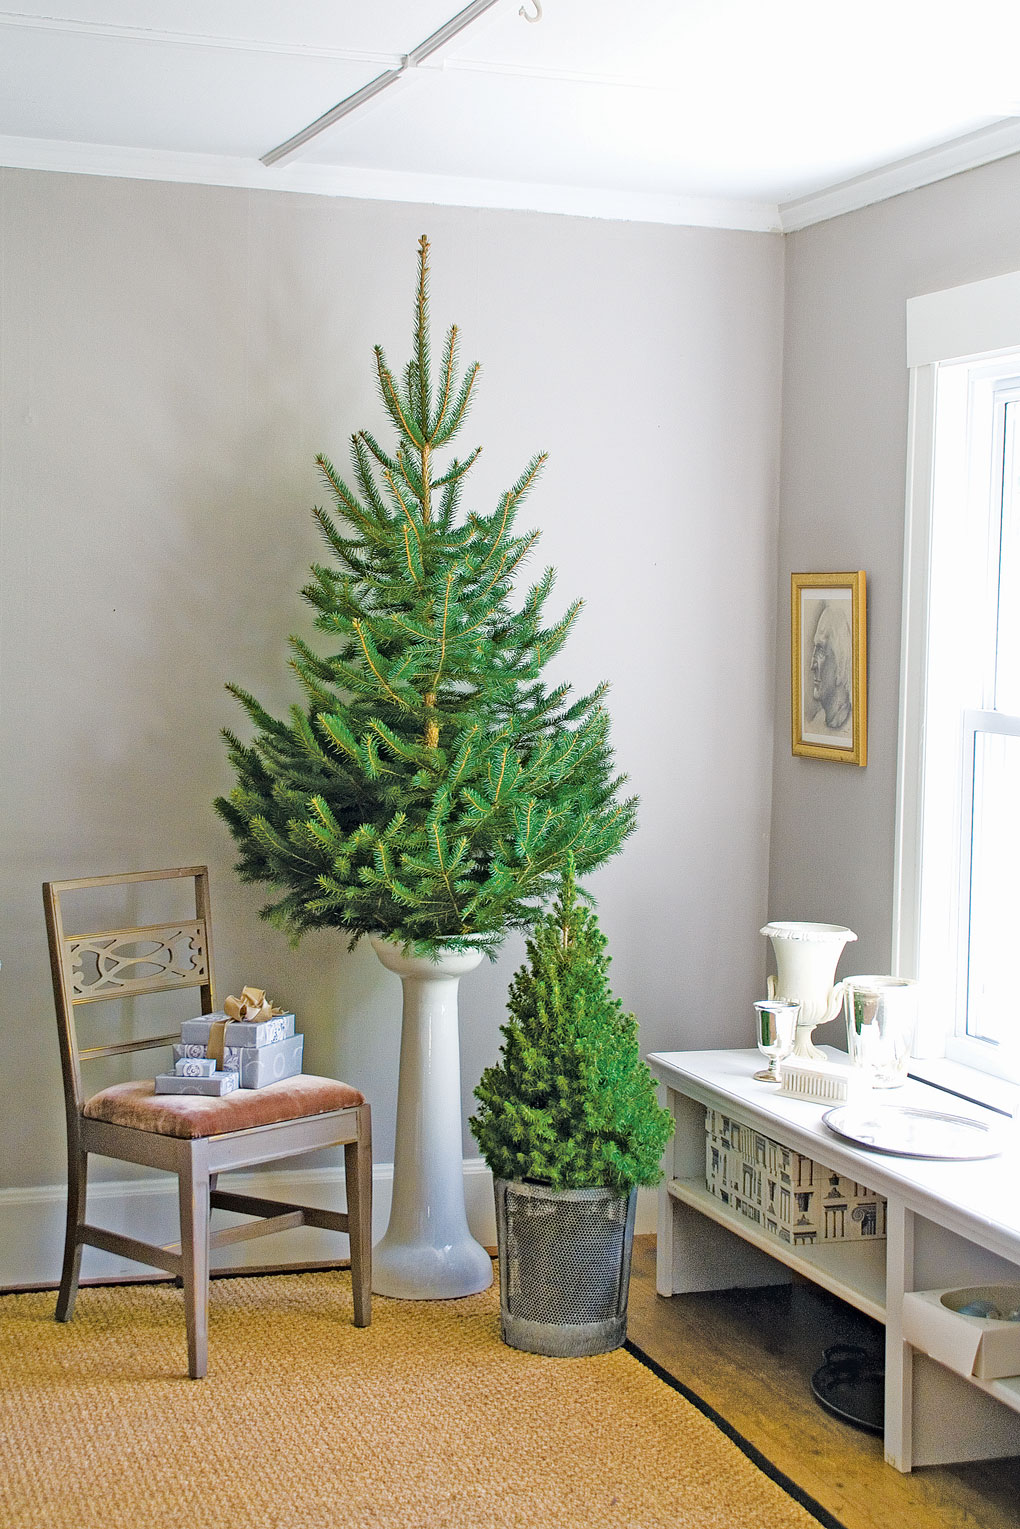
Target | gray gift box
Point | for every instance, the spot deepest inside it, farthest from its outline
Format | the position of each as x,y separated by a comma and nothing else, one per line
259,1065
184,1049
195,1067
239,1032
215,1085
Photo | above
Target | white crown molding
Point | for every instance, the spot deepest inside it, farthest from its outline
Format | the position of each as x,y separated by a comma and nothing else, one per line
923,169
976,149
388,185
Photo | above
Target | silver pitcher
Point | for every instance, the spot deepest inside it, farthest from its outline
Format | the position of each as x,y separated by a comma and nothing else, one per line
881,1020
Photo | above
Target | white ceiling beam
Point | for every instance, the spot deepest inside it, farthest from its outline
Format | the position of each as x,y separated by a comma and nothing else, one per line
238,43
230,43
417,56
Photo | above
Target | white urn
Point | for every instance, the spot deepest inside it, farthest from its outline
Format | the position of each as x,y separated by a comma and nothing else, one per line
806,957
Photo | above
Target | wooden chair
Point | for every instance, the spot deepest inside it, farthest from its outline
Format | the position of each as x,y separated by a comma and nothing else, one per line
196,1138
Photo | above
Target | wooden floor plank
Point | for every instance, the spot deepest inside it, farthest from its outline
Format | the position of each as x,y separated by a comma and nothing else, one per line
750,1355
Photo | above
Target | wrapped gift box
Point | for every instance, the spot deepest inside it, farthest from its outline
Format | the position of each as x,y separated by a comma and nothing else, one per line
216,1084
195,1067
237,1032
258,1065
786,1193
184,1049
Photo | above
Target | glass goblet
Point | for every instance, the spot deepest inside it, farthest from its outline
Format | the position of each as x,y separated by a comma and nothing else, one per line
776,1027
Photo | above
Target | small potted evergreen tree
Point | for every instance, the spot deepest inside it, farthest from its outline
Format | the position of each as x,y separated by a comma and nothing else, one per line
569,1123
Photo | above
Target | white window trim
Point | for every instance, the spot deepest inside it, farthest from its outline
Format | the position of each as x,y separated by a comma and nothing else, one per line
961,1047
980,320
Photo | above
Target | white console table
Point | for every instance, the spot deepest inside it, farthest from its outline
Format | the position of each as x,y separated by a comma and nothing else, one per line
949,1224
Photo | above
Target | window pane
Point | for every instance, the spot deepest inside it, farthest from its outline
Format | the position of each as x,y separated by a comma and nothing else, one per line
992,992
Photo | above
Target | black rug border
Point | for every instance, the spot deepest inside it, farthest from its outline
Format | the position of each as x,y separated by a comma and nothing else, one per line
764,1464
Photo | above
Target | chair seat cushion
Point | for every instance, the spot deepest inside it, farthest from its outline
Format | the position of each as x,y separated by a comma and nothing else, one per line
139,1106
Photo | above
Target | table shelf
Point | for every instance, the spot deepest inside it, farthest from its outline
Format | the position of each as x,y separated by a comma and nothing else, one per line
950,1223
854,1271
1006,1390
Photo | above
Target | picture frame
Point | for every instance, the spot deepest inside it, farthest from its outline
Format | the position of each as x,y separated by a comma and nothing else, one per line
829,682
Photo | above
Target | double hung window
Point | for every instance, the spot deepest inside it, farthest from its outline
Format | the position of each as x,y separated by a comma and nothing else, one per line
958,822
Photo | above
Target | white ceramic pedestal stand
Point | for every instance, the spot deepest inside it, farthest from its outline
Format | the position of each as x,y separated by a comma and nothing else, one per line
427,1252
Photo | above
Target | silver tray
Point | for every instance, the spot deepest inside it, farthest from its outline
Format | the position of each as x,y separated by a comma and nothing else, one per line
902,1131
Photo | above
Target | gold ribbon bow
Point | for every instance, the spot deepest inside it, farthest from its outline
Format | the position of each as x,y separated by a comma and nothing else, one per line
253,1008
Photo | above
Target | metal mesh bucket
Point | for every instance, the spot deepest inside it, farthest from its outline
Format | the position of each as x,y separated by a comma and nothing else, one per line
564,1267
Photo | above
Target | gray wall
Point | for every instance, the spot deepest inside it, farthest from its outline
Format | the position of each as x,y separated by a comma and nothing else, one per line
843,479
173,358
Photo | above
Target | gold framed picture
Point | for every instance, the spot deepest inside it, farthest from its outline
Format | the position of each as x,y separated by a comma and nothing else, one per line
829,701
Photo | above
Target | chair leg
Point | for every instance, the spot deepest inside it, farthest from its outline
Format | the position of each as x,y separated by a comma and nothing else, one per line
358,1171
193,1194
77,1178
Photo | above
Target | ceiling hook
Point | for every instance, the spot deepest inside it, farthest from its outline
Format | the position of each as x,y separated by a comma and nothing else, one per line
538,11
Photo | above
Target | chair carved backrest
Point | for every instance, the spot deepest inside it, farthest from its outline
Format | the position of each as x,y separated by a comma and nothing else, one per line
123,963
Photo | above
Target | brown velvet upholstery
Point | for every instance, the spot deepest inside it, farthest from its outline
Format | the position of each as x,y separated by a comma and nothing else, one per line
139,1107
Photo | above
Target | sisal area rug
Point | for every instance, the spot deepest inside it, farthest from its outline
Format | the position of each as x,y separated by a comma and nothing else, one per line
425,1420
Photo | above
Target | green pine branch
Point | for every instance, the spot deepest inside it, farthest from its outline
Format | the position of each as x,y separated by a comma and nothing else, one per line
431,785
570,1102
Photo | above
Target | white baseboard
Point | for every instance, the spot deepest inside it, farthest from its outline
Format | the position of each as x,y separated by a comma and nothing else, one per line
32,1219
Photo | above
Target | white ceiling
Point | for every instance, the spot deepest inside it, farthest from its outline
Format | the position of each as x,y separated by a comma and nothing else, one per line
735,113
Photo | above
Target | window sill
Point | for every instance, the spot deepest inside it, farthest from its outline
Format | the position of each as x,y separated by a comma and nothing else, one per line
968,1083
